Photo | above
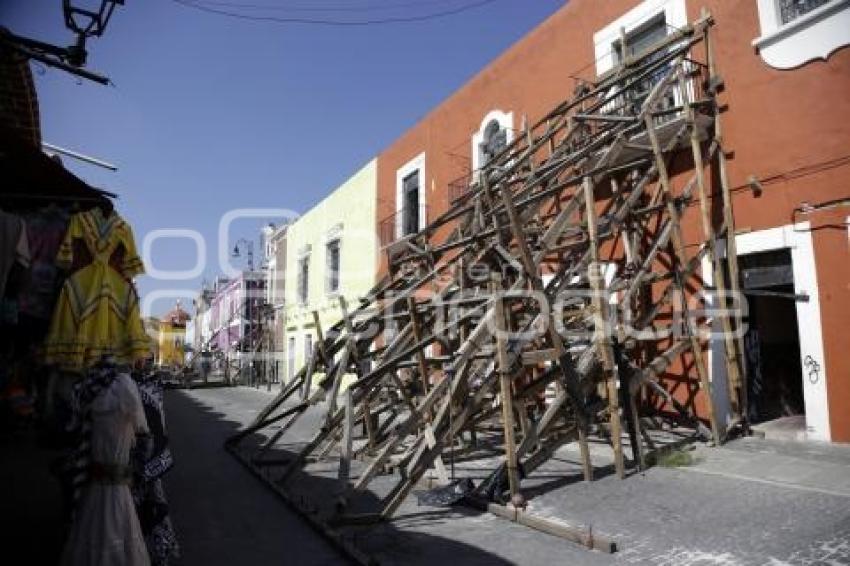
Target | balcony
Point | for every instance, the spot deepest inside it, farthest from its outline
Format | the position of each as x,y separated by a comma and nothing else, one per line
669,115
403,223
460,187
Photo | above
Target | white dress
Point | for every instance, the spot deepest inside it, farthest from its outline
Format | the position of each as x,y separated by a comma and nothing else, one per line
106,530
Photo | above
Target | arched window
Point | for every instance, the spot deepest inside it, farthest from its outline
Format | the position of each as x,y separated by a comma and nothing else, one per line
492,138
495,140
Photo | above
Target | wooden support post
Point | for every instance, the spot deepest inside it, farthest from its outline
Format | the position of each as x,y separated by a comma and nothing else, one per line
564,360
547,525
679,249
731,245
347,442
399,434
320,339
336,378
630,397
308,377
417,335
507,398
601,332
368,422
431,442
732,361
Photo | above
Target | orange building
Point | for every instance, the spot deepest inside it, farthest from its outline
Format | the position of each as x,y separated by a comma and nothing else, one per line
786,140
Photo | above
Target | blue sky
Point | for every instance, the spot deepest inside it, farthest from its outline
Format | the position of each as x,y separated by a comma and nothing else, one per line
210,113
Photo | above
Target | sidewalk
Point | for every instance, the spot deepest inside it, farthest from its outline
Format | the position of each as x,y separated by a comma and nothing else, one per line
751,502
806,466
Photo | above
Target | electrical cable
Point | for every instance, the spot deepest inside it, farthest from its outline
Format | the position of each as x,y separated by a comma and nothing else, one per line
375,7
330,22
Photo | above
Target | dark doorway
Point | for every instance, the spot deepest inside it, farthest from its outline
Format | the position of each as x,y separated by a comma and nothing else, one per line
410,209
772,342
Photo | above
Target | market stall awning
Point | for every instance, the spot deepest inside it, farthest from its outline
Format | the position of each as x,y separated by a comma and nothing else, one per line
28,177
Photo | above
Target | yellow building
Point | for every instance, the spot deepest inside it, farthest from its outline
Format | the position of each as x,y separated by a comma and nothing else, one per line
331,252
172,338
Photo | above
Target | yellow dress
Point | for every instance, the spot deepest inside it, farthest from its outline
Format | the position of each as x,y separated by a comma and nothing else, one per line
97,312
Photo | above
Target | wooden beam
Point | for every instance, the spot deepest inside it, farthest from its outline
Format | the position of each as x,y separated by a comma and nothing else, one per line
679,248
506,398
601,332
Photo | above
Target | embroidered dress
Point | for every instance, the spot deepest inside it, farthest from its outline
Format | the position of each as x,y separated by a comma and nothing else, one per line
152,459
106,530
97,313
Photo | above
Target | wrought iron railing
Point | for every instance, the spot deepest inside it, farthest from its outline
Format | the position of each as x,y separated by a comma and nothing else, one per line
402,223
460,187
629,101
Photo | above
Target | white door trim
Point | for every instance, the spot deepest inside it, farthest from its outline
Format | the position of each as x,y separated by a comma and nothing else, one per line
417,163
797,238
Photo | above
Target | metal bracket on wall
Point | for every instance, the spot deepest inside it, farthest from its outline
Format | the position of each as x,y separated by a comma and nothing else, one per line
800,297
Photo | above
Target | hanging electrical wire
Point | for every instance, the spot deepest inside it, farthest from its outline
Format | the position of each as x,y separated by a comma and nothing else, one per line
367,7
234,13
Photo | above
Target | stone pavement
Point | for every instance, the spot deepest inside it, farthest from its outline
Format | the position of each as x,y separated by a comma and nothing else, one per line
751,502
807,466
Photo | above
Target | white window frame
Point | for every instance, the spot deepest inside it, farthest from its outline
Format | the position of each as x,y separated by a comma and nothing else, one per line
812,36
305,299
675,15
505,120
328,272
415,164
798,239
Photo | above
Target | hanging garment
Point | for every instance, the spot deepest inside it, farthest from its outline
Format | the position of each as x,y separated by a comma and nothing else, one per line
97,312
14,247
46,229
106,529
151,460
74,469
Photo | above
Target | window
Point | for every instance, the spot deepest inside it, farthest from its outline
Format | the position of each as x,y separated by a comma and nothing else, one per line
794,32
410,208
493,136
303,279
291,359
792,9
333,267
645,24
639,40
495,140
410,198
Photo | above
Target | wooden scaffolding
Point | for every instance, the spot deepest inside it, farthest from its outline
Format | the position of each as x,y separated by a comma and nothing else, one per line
561,267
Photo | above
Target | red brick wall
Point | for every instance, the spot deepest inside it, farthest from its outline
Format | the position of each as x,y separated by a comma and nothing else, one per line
18,100
781,126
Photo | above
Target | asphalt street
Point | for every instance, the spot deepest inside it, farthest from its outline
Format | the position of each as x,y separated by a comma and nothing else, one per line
222,514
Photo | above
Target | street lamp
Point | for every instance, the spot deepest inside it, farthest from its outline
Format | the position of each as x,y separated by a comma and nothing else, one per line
86,18
248,246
